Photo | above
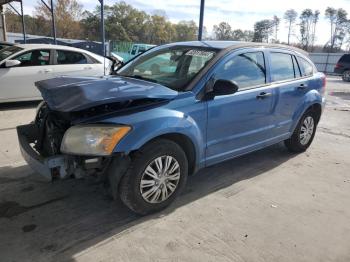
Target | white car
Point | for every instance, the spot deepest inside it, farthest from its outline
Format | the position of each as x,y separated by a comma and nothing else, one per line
22,65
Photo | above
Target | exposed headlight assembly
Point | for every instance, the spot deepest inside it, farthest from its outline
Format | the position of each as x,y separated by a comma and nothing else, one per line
97,140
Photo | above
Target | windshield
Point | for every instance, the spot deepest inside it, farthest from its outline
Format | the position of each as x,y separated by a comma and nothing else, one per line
6,52
2,46
173,67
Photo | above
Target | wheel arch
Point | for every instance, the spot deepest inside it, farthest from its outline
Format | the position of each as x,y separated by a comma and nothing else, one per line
186,145
121,161
315,106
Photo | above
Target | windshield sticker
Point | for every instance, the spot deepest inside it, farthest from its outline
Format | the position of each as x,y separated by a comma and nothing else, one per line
199,53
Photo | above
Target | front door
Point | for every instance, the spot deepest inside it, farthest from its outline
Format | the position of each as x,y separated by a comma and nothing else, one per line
240,122
18,83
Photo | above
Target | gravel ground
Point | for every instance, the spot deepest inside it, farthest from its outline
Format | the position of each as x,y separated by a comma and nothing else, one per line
266,206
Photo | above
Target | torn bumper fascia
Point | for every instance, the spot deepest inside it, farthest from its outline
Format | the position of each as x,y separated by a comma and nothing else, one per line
49,167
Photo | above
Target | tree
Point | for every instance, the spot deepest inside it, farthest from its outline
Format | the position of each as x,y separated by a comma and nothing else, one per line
223,31
67,15
186,31
126,23
13,21
34,25
262,30
347,39
276,22
90,25
240,35
290,17
339,24
308,20
314,23
331,15
160,31
248,35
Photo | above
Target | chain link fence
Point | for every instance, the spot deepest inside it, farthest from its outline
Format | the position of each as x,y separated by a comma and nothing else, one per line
325,62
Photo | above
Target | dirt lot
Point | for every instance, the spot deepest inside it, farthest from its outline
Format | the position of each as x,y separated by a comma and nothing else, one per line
267,206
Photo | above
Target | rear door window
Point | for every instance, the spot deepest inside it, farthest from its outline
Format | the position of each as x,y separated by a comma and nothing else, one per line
247,70
70,58
282,67
34,58
305,67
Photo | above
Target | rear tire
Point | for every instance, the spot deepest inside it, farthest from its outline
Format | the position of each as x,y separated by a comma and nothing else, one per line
156,175
303,134
346,76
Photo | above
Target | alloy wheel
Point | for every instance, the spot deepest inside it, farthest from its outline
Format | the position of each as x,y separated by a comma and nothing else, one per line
306,130
346,76
160,179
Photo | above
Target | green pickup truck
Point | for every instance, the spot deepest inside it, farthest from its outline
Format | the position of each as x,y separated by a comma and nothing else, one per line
134,50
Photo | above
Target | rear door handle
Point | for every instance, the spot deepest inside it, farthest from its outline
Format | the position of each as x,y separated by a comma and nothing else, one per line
263,95
88,67
302,86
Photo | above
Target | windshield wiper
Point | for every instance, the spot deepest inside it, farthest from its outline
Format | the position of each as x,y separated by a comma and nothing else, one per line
143,78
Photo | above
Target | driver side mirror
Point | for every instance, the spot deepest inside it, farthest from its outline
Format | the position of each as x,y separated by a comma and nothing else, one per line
12,63
224,87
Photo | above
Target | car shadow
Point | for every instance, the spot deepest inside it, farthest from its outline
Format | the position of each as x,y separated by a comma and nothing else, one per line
55,221
18,105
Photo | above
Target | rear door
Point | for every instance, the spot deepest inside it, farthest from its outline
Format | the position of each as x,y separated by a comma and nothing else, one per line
74,63
291,81
17,83
240,122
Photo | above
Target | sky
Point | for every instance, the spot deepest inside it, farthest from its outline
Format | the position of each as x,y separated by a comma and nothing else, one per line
239,14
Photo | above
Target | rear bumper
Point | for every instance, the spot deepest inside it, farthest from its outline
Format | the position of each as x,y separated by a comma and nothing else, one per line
338,71
27,134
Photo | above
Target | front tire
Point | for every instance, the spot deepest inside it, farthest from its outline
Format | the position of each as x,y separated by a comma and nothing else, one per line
303,134
346,76
155,177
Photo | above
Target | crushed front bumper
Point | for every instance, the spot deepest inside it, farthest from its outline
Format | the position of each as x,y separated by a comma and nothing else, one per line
49,167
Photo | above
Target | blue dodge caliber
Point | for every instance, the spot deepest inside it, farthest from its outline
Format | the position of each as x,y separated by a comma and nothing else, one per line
170,111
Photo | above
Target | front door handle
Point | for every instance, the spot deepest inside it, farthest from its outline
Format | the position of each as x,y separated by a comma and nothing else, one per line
263,95
302,86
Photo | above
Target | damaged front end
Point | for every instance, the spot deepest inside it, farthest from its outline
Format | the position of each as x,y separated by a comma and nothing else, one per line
40,145
73,133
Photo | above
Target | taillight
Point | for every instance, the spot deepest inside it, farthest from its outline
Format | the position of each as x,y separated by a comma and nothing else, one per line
338,65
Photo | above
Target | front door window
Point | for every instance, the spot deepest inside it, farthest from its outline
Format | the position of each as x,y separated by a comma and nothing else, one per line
34,58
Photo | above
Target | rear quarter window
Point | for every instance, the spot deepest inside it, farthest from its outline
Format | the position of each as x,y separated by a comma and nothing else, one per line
306,67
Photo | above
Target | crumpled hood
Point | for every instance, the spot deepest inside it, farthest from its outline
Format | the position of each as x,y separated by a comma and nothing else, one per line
66,94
